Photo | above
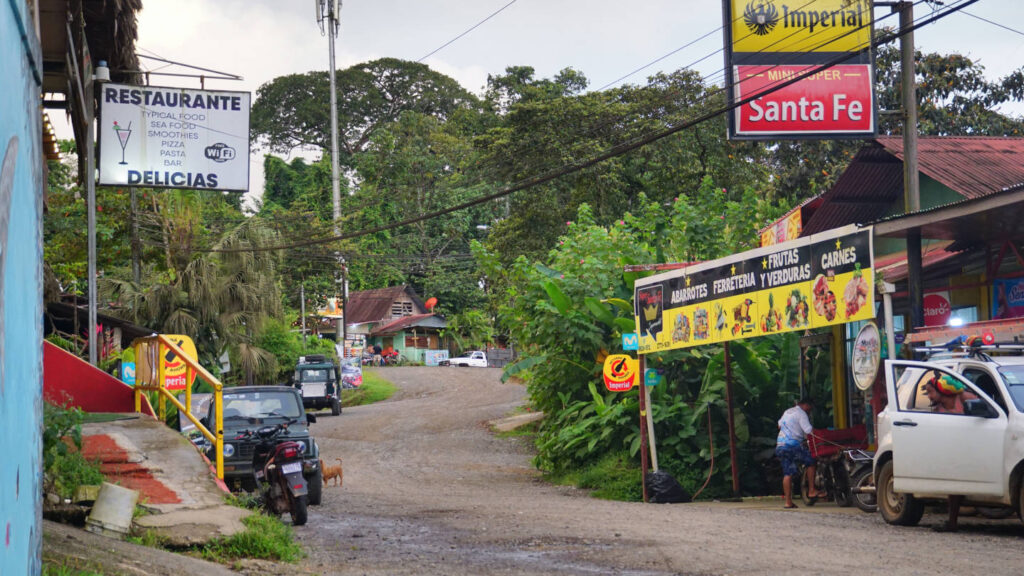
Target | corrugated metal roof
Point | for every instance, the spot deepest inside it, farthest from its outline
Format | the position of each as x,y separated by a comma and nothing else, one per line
375,305
864,191
974,166
408,322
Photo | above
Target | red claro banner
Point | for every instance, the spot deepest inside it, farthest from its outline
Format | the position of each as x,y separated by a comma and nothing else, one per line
833,101
620,372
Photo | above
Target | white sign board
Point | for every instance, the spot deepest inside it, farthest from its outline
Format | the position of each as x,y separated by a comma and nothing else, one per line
173,138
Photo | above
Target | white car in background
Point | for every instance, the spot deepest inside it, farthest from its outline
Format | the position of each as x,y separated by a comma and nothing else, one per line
475,358
926,456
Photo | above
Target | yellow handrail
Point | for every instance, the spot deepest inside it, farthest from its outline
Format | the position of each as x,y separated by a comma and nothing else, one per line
149,375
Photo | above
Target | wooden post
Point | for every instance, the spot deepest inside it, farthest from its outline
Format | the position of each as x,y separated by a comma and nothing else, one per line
643,424
732,427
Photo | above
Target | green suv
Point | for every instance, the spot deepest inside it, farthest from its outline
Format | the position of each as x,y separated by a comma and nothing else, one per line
249,408
316,377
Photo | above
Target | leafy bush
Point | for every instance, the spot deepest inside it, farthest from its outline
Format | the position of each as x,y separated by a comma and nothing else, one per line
65,467
567,313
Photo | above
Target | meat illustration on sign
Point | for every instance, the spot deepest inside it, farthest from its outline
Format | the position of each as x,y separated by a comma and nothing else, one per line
856,293
824,298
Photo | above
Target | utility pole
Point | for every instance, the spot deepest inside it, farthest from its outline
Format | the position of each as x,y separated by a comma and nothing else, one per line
302,310
328,14
911,180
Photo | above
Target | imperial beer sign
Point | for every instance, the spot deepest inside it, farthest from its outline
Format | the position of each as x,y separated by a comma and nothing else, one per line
799,68
173,138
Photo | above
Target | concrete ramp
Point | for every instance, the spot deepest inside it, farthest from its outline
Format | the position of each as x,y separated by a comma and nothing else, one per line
175,482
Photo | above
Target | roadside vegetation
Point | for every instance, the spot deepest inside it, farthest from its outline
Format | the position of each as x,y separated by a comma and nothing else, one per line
64,467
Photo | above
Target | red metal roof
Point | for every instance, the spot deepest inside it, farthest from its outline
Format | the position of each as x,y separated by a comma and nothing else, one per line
974,166
864,192
400,324
893,267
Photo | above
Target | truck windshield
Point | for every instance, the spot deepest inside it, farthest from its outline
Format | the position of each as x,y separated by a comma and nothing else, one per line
261,405
317,375
1014,378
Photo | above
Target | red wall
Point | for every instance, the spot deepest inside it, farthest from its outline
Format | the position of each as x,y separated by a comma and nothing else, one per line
67,379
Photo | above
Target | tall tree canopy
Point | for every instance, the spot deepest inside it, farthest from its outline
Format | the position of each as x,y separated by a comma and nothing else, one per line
293,111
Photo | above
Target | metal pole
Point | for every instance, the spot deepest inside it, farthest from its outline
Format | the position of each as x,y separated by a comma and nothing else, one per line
302,308
643,425
732,425
911,179
332,30
136,247
344,318
650,425
90,184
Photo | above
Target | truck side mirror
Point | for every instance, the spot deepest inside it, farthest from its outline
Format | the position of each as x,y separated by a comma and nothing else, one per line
310,418
205,422
980,408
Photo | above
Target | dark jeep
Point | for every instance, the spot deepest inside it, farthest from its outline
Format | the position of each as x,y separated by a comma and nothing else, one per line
316,377
248,408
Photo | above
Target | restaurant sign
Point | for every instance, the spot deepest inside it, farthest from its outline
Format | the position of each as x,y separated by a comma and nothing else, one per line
817,281
157,137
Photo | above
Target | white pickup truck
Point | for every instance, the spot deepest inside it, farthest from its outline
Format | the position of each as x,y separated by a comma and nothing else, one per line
475,358
924,455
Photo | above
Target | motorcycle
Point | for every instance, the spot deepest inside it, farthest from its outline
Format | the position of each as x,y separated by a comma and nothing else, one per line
277,465
845,476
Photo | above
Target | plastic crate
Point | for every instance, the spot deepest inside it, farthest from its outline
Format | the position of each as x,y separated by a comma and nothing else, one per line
822,443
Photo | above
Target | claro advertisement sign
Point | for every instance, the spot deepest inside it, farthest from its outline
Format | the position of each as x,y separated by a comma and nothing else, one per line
812,282
173,138
800,67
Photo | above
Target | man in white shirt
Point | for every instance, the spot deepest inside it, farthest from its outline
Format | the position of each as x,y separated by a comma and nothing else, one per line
791,448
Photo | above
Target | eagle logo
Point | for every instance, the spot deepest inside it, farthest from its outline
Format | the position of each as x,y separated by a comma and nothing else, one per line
761,16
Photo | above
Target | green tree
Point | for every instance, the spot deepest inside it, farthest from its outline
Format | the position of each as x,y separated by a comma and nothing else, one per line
293,111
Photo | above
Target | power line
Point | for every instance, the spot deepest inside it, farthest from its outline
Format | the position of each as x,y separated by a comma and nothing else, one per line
1003,26
474,27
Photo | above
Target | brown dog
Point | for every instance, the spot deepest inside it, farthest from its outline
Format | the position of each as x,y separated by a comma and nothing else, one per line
333,472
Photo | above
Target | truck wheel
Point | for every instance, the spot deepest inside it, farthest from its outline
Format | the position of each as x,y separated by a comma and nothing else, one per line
896,508
316,487
863,479
335,406
299,511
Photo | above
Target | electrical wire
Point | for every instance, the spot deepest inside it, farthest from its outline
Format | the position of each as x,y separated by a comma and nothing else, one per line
474,27
1003,26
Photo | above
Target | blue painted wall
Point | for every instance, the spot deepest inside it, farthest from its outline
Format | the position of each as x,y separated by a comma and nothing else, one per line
21,352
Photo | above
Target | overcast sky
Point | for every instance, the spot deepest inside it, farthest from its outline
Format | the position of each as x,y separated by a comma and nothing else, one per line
262,39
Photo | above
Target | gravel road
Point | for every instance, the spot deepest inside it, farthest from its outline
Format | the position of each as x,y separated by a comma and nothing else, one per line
430,490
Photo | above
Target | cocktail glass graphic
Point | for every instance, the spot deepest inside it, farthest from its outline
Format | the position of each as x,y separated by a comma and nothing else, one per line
123,134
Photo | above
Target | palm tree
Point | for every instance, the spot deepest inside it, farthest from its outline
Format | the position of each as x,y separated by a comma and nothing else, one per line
219,298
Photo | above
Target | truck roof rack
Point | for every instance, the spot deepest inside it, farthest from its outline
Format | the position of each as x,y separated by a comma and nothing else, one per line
960,348
313,359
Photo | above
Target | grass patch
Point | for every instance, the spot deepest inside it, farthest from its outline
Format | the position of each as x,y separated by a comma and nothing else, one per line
374,389
613,477
265,538
66,570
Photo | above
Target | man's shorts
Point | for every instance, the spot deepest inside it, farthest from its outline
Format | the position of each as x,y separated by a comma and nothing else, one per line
791,457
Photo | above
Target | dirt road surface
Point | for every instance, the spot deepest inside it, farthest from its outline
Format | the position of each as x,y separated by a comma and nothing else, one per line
428,489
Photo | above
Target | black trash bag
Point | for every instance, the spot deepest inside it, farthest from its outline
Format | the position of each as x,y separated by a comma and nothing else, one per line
662,488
